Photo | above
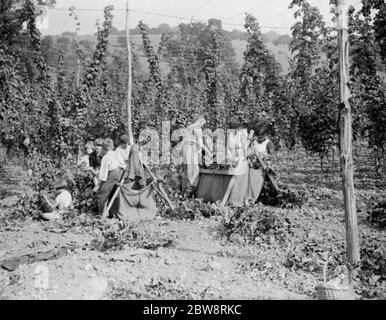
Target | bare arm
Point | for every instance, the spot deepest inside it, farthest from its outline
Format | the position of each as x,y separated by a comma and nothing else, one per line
251,149
270,148
52,204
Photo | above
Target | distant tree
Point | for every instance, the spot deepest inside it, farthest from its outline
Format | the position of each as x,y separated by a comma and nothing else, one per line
68,33
306,42
258,80
152,57
237,34
20,41
162,28
49,3
24,82
154,90
137,30
305,48
87,46
283,40
314,84
218,60
121,41
270,36
214,90
318,131
115,31
49,50
215,24
64,44
379,23
368,90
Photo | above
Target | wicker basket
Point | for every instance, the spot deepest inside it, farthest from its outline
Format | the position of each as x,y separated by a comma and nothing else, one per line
328,292
337,289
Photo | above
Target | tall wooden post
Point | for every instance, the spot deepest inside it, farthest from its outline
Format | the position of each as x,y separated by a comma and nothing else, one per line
346,161
78,66
129,77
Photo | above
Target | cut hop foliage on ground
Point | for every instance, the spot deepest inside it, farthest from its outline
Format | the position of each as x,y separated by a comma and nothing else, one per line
161,288
192,209
372,273
258,223
377,215
116,236
285,198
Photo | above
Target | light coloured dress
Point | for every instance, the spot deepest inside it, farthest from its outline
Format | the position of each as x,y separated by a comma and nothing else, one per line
191,152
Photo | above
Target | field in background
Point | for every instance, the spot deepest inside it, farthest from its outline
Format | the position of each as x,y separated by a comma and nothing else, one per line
298,167
281,52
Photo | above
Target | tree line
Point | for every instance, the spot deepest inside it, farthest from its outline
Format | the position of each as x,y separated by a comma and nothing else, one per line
60,94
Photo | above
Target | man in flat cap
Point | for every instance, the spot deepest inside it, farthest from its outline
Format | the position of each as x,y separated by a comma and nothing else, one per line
122,152
109,175
96,157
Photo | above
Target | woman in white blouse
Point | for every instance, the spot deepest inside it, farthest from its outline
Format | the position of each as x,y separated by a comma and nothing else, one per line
110,174
190,156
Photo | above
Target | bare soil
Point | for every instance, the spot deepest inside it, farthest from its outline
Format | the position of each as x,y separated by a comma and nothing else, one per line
201,264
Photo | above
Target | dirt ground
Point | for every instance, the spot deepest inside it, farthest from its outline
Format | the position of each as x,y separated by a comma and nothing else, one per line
201,263
197,263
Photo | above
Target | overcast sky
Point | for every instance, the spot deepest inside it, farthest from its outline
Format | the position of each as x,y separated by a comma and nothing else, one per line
271,14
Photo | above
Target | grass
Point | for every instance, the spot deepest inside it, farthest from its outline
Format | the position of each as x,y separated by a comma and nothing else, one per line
299,167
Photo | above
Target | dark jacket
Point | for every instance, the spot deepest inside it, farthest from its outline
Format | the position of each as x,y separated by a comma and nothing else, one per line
95,160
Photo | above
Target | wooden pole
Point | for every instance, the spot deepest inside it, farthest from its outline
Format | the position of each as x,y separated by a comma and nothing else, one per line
78,66
129,77
227,192
159,188
352,238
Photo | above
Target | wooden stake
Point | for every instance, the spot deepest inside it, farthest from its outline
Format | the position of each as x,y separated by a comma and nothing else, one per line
78,66
159,188
352,238
228,192
129,77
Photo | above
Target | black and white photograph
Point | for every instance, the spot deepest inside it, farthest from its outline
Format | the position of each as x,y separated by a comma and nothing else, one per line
193,156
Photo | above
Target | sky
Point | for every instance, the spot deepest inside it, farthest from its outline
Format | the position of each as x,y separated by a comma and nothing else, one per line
271,14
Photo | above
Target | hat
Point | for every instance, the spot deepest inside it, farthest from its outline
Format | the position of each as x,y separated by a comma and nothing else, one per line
99,142
108,144
61,184
89,144
259,131
124,139
199,120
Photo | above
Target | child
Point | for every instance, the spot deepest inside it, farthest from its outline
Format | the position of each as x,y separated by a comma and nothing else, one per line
95,160
84,162
123,151
63,202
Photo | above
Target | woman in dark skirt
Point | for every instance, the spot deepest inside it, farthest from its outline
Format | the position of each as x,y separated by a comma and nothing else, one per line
109,175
